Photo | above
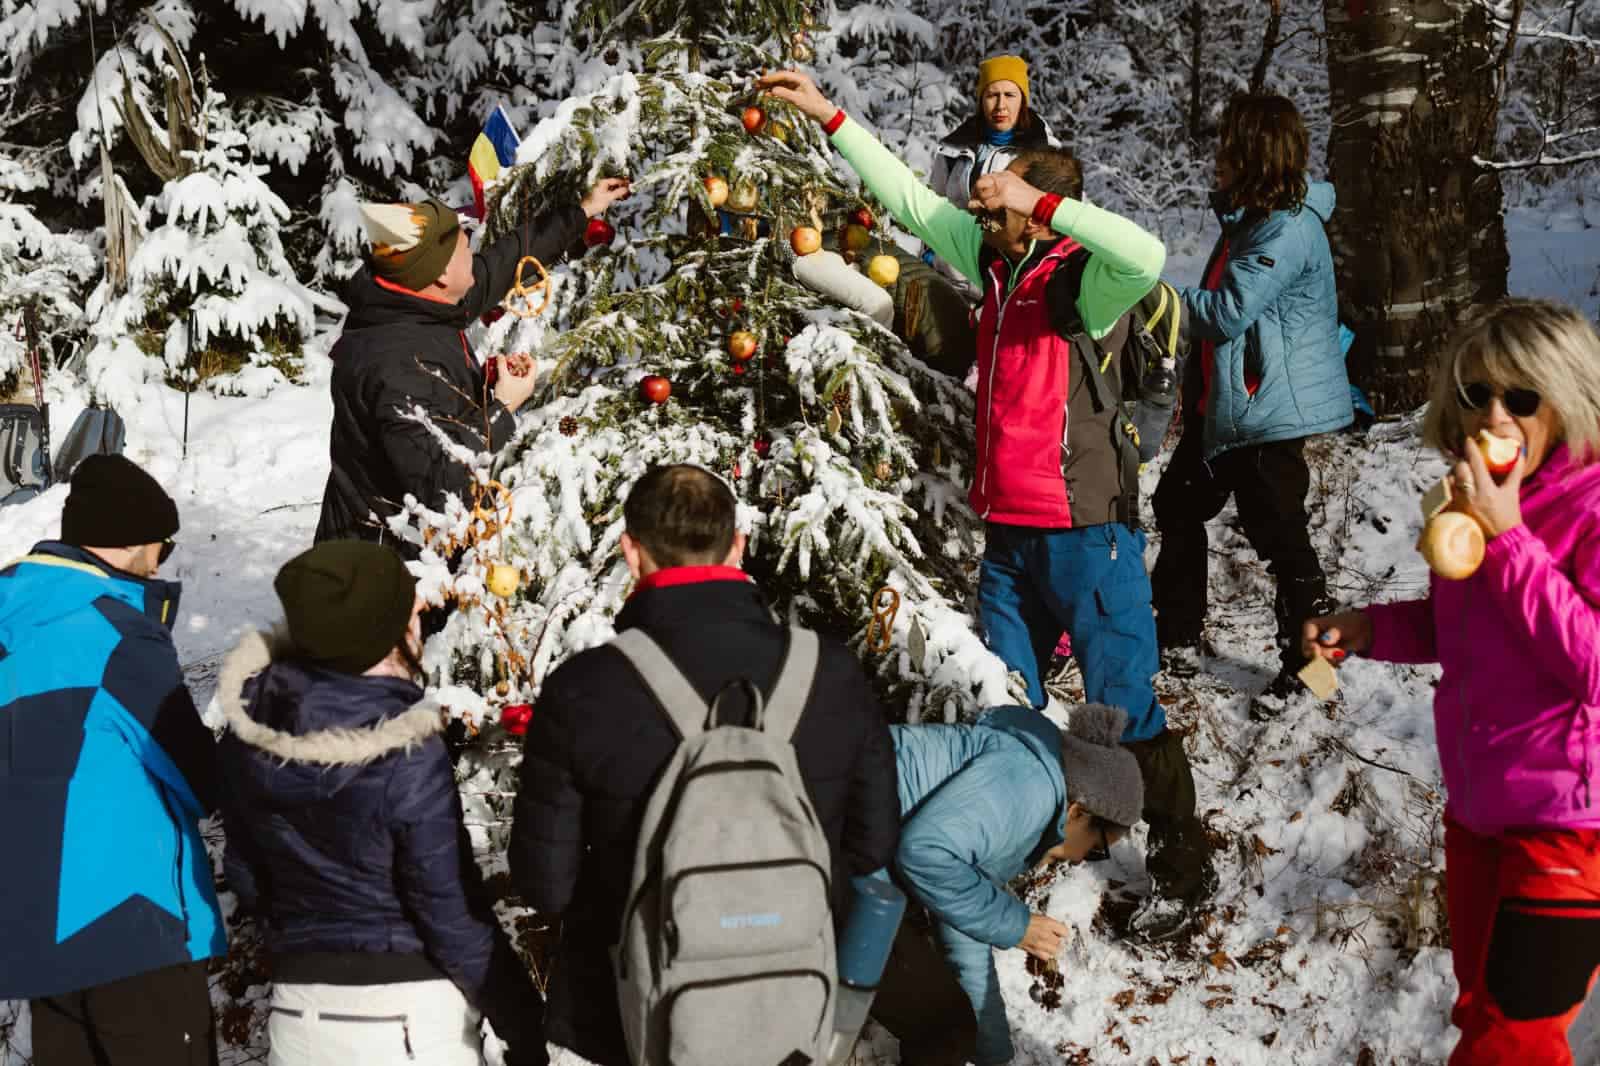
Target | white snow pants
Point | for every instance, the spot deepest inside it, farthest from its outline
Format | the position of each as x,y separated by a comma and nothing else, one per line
428,1023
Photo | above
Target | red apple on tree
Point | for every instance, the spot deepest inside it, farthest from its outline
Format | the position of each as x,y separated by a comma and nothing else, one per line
805,240
514,718
655,388
598,232
863,218
742,345
753,118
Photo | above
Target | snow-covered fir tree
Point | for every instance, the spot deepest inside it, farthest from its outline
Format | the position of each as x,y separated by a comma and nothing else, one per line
215,262
848,455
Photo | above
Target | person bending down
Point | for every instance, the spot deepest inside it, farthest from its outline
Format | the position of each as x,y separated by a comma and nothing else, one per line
982,804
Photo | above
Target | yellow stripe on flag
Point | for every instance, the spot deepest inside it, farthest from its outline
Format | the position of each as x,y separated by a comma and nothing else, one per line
483,160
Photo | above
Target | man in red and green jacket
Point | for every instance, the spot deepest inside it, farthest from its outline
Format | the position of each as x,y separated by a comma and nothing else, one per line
1056,478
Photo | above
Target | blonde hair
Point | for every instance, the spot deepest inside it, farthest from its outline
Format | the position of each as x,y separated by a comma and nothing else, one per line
1515,343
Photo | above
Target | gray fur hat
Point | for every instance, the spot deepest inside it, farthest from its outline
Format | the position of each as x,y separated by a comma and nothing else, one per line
1102,776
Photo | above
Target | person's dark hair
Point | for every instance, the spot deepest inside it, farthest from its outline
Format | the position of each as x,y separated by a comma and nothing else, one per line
683,515
1263,141
1025,119
1054,170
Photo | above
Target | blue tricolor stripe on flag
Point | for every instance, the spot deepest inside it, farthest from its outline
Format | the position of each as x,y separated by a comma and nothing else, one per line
495,148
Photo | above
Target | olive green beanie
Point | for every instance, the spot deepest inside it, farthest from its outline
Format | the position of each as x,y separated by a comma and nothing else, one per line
348,603
411,244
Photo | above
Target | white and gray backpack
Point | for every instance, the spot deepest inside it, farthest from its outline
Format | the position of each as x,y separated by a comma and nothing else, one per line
726,955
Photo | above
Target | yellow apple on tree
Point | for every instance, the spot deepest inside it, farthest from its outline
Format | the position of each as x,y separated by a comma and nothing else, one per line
856,237
504,580
884,269
716,191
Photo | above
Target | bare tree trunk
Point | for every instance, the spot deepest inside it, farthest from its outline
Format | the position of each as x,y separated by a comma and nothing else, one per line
1419,232
1269,45
1197,36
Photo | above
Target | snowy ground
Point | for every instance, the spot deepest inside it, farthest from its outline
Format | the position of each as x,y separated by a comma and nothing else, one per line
1324,944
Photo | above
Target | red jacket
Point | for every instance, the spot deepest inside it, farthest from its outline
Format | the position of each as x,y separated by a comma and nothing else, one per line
1024,371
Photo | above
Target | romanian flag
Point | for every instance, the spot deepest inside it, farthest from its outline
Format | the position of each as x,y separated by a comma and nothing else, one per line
495,148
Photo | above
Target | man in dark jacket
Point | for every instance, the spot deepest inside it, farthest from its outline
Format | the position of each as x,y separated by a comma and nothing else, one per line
598,741
404,347
105,773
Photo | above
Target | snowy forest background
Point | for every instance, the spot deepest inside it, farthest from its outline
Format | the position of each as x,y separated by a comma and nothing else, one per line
233,139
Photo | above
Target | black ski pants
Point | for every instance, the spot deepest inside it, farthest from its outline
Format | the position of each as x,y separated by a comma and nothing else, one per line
1268,482
158,1018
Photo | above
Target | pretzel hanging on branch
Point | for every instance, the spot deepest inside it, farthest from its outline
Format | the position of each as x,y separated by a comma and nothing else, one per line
497,514
885,605
527,292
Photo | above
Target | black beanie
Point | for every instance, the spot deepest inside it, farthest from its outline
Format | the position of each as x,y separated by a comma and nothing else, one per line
113,503
347,602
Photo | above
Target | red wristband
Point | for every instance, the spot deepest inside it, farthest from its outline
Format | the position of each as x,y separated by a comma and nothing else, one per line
832,125
1045,209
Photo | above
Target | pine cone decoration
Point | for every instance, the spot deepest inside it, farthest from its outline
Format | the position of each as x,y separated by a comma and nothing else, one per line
569,426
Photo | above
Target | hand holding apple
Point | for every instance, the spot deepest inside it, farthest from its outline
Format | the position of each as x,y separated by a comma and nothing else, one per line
1497,505
605,192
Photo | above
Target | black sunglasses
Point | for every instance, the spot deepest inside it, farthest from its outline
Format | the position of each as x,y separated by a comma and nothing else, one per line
168,546
1477,395
1103,852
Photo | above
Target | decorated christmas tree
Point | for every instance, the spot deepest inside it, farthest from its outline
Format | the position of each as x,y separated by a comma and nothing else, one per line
684,336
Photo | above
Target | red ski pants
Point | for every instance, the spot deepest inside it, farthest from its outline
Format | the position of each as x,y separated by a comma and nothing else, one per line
1525,941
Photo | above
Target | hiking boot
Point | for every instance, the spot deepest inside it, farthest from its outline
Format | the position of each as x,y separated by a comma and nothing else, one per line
1273,700
1185,660
1162,917
1158,919
1063,672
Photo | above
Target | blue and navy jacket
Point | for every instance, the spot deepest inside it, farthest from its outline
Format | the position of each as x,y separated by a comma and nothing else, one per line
1274,319
105,773
981,804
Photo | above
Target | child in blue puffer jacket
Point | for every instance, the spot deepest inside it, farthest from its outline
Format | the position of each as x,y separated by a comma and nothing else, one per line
981,804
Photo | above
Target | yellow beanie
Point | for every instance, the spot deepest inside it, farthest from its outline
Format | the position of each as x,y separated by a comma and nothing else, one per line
1003,68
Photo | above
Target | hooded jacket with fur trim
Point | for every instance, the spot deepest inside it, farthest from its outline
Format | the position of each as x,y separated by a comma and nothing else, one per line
345,835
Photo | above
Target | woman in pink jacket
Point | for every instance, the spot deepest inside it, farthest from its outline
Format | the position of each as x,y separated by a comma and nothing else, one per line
1518,700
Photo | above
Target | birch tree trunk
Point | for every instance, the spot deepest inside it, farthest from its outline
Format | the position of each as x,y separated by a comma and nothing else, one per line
1418,233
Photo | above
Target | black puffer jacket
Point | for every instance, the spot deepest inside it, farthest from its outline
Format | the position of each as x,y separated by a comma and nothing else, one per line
598,741
345,836
400,351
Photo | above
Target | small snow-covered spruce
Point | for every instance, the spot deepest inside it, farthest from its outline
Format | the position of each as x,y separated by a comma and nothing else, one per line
215,260
848,456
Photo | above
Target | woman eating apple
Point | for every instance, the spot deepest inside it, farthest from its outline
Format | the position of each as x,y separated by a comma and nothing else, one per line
1515,709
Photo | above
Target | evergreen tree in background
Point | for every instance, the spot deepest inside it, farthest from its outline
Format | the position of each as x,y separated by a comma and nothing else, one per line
215,262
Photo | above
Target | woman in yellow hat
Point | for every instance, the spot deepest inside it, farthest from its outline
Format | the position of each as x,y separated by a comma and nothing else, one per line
1003,124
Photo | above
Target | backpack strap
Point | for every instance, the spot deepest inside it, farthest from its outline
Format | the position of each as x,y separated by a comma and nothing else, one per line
792,691
678,699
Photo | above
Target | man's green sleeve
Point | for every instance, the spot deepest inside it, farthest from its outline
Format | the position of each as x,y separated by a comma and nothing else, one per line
953,234
1125,262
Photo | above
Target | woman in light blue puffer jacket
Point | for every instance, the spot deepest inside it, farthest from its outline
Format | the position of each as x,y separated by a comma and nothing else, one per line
984,803
1267,373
